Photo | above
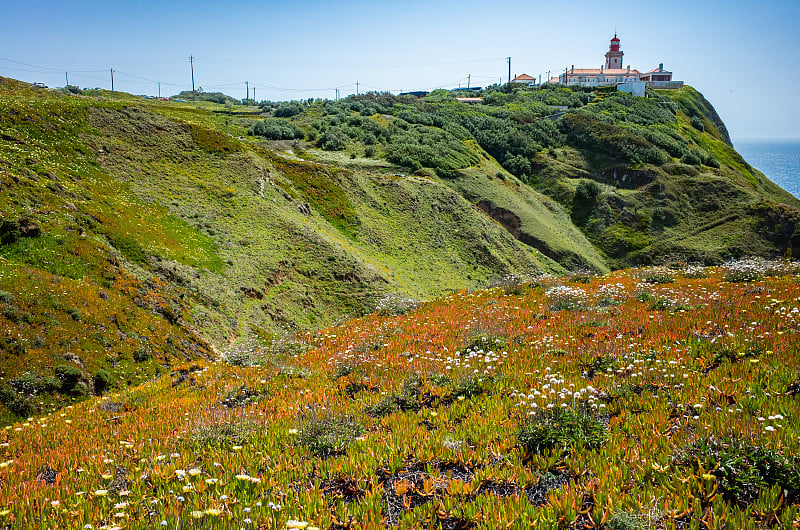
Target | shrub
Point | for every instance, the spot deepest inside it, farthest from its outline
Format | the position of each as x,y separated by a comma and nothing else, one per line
611,294
18,404
472,385
102,381
327,436
9,232
560,428
223,431
245,353
563,298
6,297
697,123
288,109
692,158
277,129
343,370
141,355
694,272
394,304
657,275
741,469
515,284
332,140
584,201
34,383
744,270
69,377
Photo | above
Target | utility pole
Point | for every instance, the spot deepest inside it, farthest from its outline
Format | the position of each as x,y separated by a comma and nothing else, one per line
159,90
112,79
548,76
247,84
254,94
66,75
469,77
356,88
191,63
509,69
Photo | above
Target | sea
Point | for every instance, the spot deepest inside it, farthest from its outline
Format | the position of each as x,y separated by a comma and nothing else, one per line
779,160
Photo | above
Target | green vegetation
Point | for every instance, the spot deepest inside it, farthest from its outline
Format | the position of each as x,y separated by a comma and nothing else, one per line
140,234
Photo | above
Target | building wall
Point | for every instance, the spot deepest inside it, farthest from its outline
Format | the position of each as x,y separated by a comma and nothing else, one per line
636,88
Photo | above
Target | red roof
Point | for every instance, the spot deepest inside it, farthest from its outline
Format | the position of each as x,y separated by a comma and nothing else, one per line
524,77
615,38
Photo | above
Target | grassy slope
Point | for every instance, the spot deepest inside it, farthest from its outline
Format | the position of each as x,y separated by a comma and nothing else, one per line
442,445
69,298
161,231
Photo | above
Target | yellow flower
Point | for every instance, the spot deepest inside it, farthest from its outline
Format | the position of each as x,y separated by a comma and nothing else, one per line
213,511
101,493
197,514
194,472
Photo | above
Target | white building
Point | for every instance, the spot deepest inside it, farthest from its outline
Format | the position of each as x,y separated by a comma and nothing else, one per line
613,73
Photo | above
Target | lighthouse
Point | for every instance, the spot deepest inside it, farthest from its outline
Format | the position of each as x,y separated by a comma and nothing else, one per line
614,55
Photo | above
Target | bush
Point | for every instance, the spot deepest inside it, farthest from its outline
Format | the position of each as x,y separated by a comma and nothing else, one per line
560,428
223,432
69,376
102,382
395,304
18,404
34,383
243,354
141,355
697,123
563,298
694,272
429,147
327,436
332,139
584,201
692,158
288,109
741,469
277,129
657,275
9,232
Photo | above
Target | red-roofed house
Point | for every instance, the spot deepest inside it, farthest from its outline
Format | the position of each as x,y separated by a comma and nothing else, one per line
657,75
524,79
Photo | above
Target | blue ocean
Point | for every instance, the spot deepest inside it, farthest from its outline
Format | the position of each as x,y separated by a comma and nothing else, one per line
778,160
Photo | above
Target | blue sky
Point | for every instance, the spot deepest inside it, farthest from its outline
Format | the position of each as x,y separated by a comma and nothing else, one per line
743,56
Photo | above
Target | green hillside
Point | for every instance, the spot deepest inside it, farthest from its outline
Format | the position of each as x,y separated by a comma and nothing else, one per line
138,235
